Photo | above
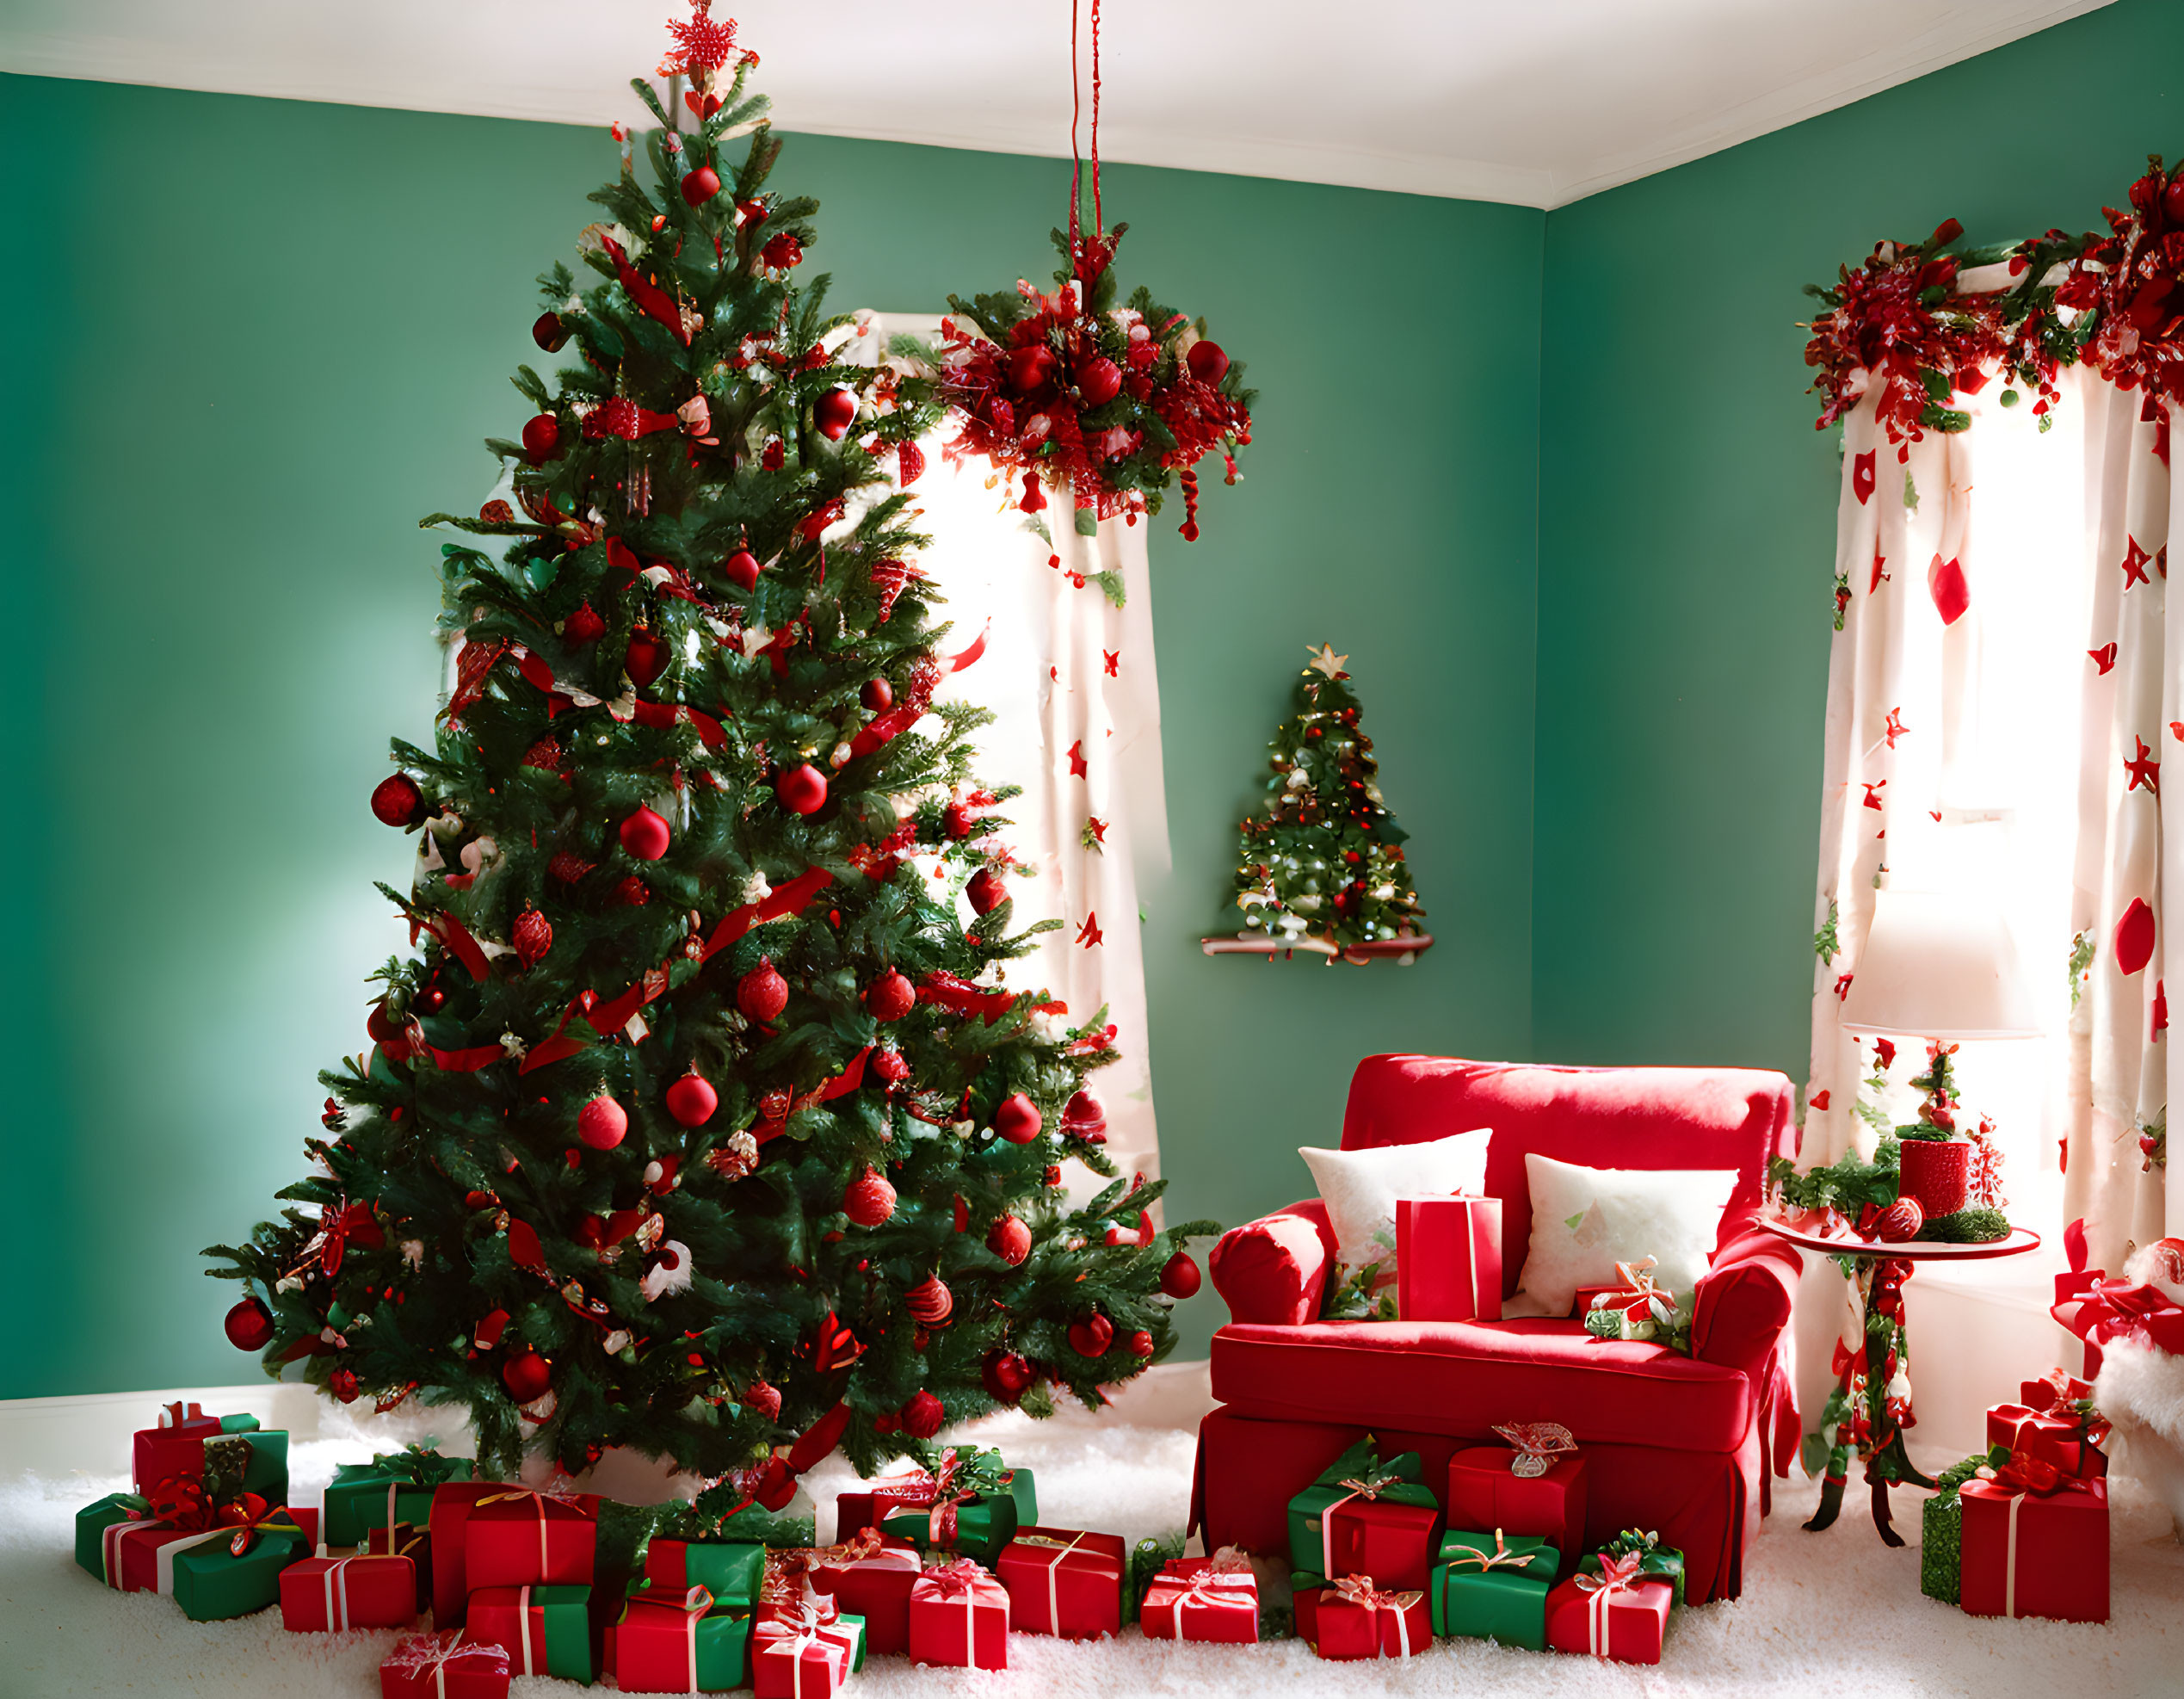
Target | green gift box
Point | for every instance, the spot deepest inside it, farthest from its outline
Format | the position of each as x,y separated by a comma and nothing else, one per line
393,1487
1655,1561
91,1523
1000,1499
1491,1587
1386,1519
1941,1528
730,1572
211,1583
546,1631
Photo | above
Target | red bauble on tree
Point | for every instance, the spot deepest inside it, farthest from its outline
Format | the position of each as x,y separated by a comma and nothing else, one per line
602,1123
1006,1376
1140,1344
929,1302
691,1101
396,801
986,891
1099,380
645,658
533,937
1017,1119
869,1200
835,413
765,1399
1083,1117
887,1062
526,1375
802,789
645,835
1091,1335
549,332
1207,363
583,625
891,996
1179,1276
1010,1240
342,1384
878,695
541,438
741,569
923,1416
700,186
762,993
249,1326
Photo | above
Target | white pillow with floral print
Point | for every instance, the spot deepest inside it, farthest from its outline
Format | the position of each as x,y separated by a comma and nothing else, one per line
1359,1188
1585,1221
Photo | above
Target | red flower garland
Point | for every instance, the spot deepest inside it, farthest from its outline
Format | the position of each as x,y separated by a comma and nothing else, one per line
2130,282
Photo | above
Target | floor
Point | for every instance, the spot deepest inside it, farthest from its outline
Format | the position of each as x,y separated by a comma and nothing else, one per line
1832,1613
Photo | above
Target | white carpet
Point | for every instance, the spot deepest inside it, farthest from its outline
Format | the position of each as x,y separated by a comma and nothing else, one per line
1833,1614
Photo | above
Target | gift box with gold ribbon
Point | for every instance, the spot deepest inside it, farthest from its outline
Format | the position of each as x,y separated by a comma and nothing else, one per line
1367,1517
1062,1582
1491,1586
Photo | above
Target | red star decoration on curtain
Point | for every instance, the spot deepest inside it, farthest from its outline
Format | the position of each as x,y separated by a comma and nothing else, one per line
1895,728
2143,771
1089,934
1096,827
1819,1100
1879,577
1113,659
1078,768
2104,657
1873,794
2134,564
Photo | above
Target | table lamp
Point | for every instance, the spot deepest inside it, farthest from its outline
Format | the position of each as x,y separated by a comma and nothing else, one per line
1940,967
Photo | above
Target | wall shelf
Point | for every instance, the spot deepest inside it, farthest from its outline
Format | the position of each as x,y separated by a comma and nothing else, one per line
1403,950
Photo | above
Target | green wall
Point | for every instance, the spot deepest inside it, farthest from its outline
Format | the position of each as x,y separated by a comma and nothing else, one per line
250,341
1688,523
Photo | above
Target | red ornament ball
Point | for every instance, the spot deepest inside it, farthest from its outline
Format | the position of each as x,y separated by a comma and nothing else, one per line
1901,1220
396,799
835,413
645,658
1084,1118
342,1384
869,1200
1207,363
929,1302
889,1064
742,569
1099,380
541,438
549,333
533,936
2173,201
986,891
1140,1344
958,819
1010,1240
645,835
762,993
691,1101
923,1416
1006,1376
602,1123
878,695
1179,1277
1017,1119
526,1375
249,1326
1092,1336
633,892
802,789
583,625
700,186
891,996
429,998
765,1399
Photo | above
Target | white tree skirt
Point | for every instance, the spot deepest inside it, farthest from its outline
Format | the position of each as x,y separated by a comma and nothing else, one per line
1834,1613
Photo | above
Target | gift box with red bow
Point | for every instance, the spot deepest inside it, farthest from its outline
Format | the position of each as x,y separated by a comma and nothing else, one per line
871,1577
394,1486
448,1529
968,1502
1365,1517
404,1540
239,1574
697,1645
1062,1582
2064,1440
225,1455
1636,1308
2100,1311
806,1655
1618,1612
547,1630
444,1666
1534,1485
1493,1586
959,1616
1448,1258
133,1545
515,1537
1354,1619
323,1595
2035,1542
1212,1600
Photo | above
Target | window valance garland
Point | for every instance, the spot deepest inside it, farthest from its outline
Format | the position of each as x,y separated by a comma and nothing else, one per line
1904,326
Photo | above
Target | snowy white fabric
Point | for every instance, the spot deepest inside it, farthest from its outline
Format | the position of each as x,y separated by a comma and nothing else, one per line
2010,748
1359,1188
1585,1221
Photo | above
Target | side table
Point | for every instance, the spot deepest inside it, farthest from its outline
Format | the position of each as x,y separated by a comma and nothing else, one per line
1861,1411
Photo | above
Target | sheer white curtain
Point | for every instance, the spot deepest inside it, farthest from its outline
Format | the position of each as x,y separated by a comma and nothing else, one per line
1071,678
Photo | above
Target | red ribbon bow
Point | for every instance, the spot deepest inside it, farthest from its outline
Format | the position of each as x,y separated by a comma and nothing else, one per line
2123,1309
1360,1590
2024,1473
954,1579
1617,1574
182,1502
249,1516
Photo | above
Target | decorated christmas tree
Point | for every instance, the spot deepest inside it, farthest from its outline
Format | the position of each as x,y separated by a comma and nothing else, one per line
700,1120
1322,863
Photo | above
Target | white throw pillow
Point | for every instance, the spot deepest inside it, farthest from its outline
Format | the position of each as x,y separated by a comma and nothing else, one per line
1359,1188
1585,1221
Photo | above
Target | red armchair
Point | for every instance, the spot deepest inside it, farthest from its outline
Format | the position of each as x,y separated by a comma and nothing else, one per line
1680,1444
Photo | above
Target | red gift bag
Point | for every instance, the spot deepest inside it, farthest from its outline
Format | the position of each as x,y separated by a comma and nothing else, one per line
1448,1258
2035,1543
1355,1619
1619,1614
1210,1600
1483,1493
321,1595
959,1616
873,1583
1063,1582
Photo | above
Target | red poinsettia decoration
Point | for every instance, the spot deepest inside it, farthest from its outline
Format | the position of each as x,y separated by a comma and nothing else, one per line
2131,281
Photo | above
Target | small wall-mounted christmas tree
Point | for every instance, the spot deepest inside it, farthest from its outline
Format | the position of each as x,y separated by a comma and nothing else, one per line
1320,866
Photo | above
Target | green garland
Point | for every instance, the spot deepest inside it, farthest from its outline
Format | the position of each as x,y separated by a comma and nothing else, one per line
1848,1185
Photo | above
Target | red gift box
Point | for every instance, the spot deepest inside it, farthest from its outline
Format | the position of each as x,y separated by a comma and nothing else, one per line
1483,1494
1618,1614
807,1656
140,1556
1355,1619
2060,1440
1209,1600
404,1540
321,1595
2035,1543
176,1446
877,1587
2054,1394
444,1666
452,1501
1448,1258
1063,1582
959,1616
306,1520
904,1485
516,1537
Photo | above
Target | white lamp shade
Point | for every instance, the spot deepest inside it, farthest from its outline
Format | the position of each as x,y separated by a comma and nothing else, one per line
1938,965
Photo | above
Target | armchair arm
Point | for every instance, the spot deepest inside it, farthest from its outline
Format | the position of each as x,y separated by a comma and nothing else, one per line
1274,1269
1739,1314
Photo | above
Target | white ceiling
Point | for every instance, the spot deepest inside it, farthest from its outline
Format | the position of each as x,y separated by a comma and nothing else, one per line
1534,102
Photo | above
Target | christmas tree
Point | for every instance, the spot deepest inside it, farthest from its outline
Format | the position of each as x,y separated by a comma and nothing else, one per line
1320,865
700,1120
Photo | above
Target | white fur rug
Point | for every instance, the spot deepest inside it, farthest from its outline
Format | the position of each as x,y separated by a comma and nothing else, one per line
1828,1614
